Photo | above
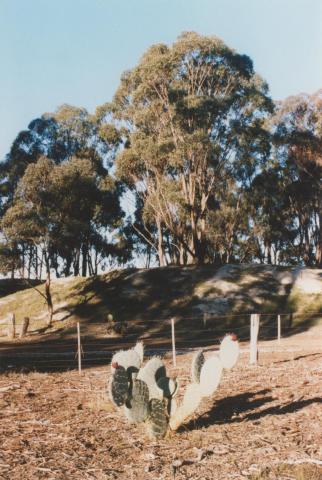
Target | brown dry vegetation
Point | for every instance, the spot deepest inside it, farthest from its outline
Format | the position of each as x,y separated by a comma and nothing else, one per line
263,423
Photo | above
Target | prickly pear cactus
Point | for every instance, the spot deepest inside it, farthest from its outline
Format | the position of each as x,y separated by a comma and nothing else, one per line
128,359
197,362
157,424
148,394
171,407
119,385
169,386
137,405
150,374
210,376
206,376
189,405
229,351
139,349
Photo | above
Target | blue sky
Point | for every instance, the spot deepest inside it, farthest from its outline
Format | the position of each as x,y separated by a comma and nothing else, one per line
73,51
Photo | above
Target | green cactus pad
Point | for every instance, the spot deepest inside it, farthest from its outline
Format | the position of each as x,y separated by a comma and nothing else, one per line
137,406
196,365
157,424
119,386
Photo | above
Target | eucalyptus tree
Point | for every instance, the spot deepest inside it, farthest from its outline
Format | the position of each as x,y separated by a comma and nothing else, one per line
63,210
297,128
192,119
65,137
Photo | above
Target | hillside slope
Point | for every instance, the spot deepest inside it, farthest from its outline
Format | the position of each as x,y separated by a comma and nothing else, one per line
141,295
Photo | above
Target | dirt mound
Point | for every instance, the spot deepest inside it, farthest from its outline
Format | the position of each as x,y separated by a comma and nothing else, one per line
155,295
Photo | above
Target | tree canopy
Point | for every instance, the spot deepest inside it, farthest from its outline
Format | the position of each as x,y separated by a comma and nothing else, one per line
215,171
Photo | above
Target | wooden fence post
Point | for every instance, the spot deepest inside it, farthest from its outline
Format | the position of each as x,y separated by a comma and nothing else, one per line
279,330
254,329
79,353
24,327
12,326
174,359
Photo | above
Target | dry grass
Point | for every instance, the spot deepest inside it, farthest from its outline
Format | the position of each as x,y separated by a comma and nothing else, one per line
289,472
62,426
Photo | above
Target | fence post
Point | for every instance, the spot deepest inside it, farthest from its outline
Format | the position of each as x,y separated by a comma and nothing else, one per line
254,329
279,328
12,326
79,353
24,327
174,359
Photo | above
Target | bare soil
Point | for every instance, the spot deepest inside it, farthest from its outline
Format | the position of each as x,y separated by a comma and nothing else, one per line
265,422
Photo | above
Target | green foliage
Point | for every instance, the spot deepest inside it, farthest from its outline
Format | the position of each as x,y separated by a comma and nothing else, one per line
216,173
196,114
10,259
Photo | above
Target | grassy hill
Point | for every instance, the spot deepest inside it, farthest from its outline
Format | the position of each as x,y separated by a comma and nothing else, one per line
194,294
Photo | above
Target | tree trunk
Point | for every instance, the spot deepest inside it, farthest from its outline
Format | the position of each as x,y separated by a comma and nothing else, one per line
84,259
68,265
96,262
306,256
268,253
76,263
318,253
161,254
23,261
48,291
41,264
36,264
90,264
30,261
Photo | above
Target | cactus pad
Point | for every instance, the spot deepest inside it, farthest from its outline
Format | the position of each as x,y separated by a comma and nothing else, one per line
119,386
150,374
229,351
189,405
139,349
172,406
157,425
210,376
137,405
128,359
168,386
197,362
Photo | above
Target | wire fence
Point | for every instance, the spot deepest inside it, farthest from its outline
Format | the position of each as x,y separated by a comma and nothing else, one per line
48,353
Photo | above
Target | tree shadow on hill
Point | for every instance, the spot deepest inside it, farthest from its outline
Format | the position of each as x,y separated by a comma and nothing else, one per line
151,296
240,408
147,299
13,285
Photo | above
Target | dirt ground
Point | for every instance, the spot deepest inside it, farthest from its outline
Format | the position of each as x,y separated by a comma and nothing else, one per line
264,422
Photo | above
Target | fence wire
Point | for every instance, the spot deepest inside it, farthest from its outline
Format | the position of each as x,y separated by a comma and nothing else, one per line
191,333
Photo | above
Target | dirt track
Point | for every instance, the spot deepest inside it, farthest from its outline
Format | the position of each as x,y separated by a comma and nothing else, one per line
60,426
